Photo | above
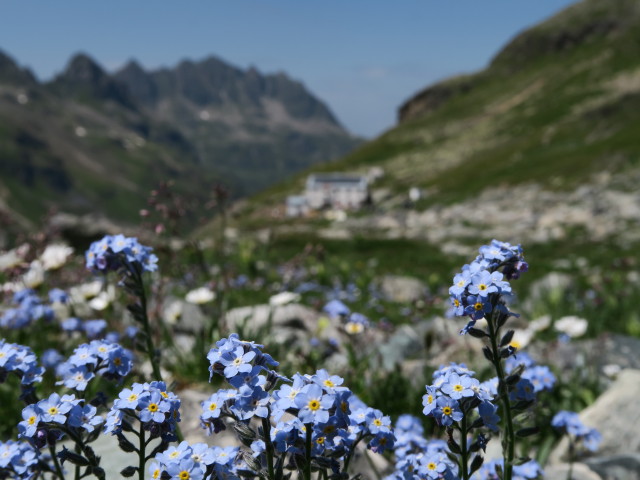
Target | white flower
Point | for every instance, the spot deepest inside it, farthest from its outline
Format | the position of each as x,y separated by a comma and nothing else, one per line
611,370
571,325
353,328
103,299
173,312
55,256
85,291
521,338
283,298
11,287
540,323
9,260
34,276
200,295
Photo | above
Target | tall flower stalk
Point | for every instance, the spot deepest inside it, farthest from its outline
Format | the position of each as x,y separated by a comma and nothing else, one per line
479,291
130,259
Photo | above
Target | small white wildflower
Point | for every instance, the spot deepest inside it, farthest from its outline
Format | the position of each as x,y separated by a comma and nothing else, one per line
571,325
55,256
283,298
200,296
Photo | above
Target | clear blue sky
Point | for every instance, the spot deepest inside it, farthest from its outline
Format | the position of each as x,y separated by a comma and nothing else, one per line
363,57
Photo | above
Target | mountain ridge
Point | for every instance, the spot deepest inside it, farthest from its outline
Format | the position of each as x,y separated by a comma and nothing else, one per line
88,140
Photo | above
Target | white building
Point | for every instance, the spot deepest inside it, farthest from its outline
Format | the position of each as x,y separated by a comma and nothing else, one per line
336,190
297,206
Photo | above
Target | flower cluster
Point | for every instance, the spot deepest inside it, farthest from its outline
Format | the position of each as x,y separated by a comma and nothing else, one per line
29,308
195,462
417,458
18,460
151,404
476,289
314,415
100,357
21,361
46,421
455,393
113,251
569,422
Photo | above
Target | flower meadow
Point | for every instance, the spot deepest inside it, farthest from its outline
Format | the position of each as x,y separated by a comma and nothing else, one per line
72,379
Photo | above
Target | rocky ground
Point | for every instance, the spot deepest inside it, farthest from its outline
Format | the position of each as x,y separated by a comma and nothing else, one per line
607,207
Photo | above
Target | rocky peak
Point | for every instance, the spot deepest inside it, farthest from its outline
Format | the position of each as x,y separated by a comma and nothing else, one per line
138,81
11,73
84,79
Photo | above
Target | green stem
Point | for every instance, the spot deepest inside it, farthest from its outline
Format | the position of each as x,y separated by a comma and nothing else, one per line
77,472
266,429
508,439
151,352
141,453
464,454
307,465
345,469
56,463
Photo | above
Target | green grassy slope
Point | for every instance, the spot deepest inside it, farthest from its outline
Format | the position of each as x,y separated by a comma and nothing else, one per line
558,104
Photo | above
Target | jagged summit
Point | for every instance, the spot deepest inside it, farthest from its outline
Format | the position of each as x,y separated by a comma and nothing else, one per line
11,73
85,79
93,141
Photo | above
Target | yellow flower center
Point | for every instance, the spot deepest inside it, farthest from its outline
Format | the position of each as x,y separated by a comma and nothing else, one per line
53,410
447,410
320,440
213,406
184,475
313,405
482,287
153,407
377,422
456,302
458,388
429,399
132,397
329,383
164,394
156,473
31,420
478,306
431,466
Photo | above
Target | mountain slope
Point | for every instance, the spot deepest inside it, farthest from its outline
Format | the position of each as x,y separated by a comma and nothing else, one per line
80,145
558,109
92,142
244,124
